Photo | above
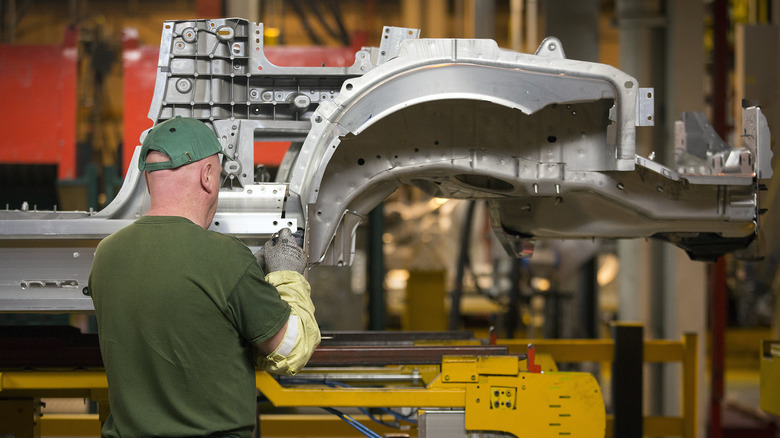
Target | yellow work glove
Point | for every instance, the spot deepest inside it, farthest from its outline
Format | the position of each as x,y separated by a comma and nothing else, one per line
303,334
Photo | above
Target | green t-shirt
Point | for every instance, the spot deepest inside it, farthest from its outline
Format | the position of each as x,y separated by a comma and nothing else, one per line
178,310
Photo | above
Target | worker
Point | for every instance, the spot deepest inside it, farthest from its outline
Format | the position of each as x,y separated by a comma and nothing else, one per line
185,314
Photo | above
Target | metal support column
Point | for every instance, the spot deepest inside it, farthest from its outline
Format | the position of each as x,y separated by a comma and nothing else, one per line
718,306
718,312
463,261
480,19
576,24
720,65
627,388
643,55
244,9
411,14
435,24
637,58
512,319
516,25
377,310
685,289
531,25
588,298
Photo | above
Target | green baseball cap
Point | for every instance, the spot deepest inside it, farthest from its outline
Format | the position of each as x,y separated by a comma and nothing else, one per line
183,140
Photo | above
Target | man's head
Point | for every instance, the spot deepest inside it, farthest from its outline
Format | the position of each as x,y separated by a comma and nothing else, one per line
182,169
183,140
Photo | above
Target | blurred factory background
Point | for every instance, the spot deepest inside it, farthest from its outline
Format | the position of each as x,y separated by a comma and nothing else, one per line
77,82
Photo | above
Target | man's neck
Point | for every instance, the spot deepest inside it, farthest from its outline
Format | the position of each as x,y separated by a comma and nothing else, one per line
194,218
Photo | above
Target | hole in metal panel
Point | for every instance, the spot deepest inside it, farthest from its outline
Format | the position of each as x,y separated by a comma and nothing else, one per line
485,182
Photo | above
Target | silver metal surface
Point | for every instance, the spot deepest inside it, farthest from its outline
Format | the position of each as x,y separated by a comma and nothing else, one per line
29,278
449,423
365,375
442,424
548,142
645,112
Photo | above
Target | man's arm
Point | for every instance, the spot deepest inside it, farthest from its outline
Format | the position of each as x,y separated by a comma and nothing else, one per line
290,348
271,344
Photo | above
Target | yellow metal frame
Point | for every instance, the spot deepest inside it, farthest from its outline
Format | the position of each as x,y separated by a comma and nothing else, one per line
87,383
80,425
539,403
23,389
542,404
466,382
602,350
770,377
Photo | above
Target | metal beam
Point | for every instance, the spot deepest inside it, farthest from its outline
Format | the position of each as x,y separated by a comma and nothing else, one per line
375,356
627,380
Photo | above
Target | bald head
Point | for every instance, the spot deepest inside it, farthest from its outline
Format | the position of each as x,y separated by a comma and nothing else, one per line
189,191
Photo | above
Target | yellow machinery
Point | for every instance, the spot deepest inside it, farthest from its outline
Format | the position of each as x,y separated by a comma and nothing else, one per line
493,391
770,377
459,393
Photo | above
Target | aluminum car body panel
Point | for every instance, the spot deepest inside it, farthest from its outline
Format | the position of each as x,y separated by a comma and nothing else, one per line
548,142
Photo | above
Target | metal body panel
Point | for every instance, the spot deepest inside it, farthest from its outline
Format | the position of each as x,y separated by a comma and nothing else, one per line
547,141
45,279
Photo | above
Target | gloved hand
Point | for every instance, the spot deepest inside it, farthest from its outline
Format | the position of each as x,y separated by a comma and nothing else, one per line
282,253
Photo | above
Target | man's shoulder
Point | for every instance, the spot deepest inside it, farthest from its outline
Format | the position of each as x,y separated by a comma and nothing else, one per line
116,236
223,240
223,245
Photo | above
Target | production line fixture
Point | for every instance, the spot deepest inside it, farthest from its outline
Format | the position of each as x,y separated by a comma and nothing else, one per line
437,384
448,385
548,142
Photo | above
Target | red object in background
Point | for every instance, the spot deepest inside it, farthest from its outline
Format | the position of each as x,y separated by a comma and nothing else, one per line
209,8
38,85
533,367
304,56
140,73
139,65
271,153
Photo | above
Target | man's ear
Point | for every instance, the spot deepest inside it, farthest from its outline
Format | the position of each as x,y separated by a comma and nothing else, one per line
206,175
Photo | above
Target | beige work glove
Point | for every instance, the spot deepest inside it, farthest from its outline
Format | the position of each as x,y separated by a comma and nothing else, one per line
302,327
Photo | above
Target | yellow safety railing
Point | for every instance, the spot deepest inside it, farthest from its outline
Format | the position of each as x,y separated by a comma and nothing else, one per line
657,351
